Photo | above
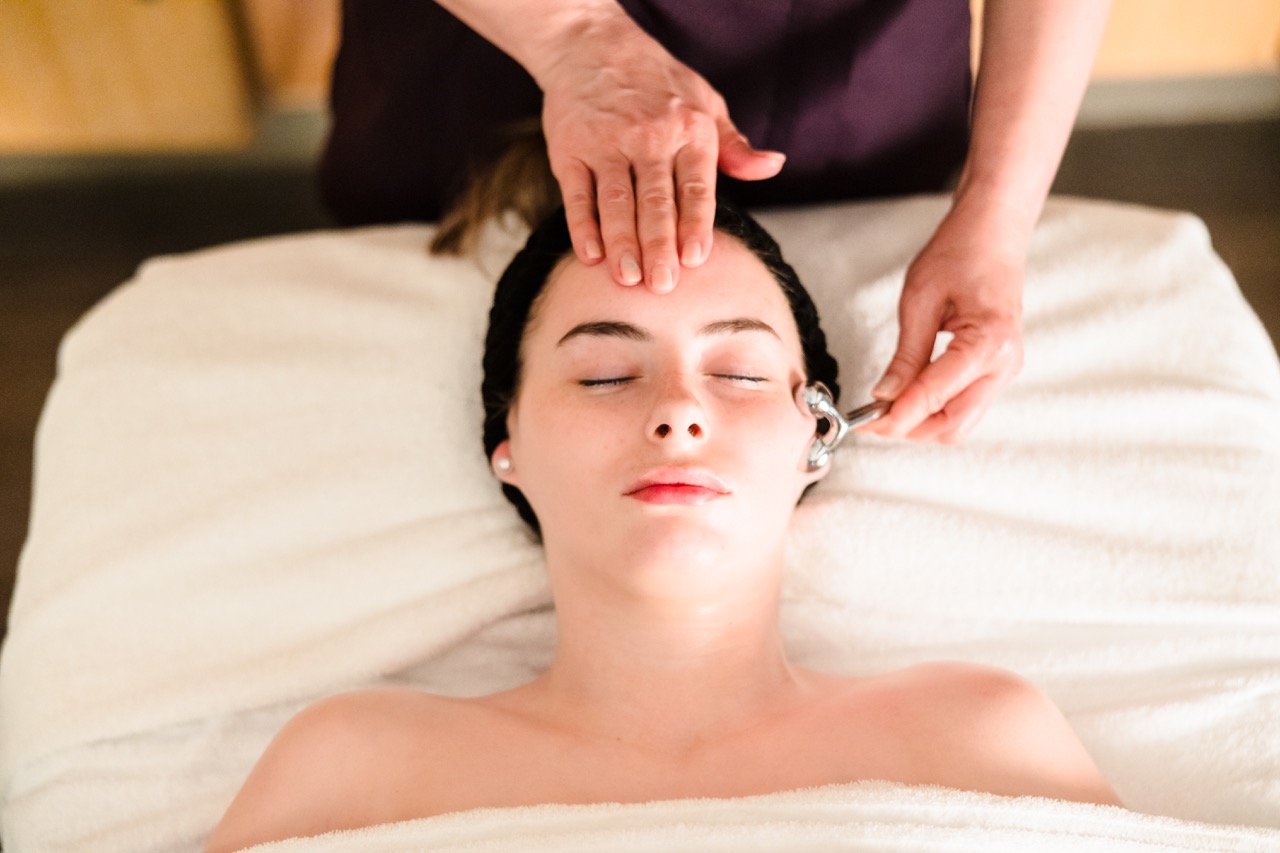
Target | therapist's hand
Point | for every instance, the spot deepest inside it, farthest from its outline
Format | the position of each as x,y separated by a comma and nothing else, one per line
967,280
635,139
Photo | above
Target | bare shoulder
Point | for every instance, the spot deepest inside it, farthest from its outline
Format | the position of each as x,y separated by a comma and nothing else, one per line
992,730
319,772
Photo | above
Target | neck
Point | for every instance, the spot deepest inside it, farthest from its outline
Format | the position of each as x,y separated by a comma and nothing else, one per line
671,671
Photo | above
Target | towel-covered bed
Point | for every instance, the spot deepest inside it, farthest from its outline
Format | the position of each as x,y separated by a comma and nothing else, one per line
259,481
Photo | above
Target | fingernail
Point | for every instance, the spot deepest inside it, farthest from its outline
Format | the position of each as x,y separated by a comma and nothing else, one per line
592,250
773,155
887,388
630,270
660,279
691,255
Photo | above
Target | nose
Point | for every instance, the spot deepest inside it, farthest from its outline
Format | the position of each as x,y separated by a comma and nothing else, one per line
677,417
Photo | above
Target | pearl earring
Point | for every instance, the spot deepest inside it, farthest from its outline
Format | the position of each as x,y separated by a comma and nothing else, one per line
503,464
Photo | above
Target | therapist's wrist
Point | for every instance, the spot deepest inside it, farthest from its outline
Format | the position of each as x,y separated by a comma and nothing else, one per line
585,33
542,35
1004,213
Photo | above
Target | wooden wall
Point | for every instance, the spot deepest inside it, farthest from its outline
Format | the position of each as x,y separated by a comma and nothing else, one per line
294,42
124,75
1181,38
156,75
108,75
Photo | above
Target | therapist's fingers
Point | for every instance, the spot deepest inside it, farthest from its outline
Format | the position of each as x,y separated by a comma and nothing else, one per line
738,159
656,223
955,420
642,134
696,168
615,196
927,394
967,280
919,320
577,187
695,178
979,359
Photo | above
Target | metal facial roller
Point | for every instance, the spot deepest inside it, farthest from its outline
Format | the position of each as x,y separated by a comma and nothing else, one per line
819,400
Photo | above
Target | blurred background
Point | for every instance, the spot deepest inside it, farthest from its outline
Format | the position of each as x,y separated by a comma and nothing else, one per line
131,128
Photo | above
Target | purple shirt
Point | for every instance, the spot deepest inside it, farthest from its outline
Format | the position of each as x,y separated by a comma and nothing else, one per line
865,97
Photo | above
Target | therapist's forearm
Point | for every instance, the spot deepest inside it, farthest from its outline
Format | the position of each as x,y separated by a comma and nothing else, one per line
536,33
1035,63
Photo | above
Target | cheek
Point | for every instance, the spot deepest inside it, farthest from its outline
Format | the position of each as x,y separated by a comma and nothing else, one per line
559,451
775,448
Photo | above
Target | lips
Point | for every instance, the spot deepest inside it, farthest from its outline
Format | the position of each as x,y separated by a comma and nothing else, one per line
682,486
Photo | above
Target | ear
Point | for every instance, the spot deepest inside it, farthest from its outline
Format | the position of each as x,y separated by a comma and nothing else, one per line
503,465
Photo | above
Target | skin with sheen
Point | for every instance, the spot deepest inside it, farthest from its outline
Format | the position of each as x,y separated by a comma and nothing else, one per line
659,441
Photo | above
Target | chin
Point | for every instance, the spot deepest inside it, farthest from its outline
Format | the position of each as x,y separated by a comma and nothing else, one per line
675,543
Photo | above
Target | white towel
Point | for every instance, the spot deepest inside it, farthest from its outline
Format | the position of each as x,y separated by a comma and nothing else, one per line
259,481
868,817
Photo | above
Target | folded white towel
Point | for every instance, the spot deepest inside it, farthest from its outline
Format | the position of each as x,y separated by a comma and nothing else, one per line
872,817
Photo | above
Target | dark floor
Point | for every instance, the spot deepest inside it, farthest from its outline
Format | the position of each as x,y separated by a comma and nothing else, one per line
65,245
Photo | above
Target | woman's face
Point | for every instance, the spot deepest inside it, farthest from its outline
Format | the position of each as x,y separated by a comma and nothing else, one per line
662,428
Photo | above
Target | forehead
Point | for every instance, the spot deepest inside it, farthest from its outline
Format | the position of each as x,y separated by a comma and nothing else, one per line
732,283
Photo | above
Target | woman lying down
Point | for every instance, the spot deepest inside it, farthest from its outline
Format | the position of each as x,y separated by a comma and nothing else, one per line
657,445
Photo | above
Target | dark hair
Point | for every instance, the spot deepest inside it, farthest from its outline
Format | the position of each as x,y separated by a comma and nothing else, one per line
528,273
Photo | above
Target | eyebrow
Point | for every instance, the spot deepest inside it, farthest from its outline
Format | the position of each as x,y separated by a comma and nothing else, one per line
617,329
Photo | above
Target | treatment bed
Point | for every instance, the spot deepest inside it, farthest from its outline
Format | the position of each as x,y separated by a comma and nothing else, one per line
259,481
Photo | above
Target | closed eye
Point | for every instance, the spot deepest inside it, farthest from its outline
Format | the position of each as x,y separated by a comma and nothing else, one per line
622,380
598,383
